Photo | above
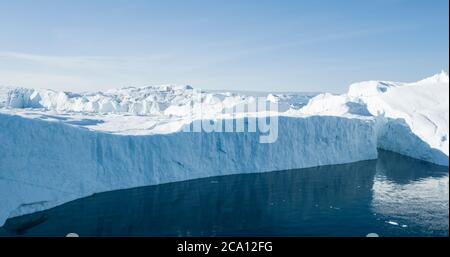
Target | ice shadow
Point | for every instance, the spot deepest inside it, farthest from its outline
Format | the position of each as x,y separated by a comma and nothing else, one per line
85,122
395,135
46,117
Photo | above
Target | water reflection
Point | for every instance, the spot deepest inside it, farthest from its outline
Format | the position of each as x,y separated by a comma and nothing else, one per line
392,196
412,194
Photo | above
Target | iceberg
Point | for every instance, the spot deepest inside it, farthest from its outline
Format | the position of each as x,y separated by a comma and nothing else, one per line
59,146
411,118
415,116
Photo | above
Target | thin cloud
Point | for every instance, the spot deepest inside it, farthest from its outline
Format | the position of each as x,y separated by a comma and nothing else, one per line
77,73
84,62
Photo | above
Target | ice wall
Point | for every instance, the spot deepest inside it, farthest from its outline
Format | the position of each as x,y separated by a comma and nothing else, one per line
43,164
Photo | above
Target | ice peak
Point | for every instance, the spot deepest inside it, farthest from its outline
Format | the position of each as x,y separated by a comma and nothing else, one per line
441,77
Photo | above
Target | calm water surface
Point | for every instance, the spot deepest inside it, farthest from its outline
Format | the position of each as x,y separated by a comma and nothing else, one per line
391,196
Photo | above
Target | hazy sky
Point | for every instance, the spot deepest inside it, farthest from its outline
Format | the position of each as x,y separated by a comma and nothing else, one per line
247,45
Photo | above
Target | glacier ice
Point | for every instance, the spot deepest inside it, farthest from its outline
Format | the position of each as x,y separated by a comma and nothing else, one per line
411,118
60,146
415,116
64,162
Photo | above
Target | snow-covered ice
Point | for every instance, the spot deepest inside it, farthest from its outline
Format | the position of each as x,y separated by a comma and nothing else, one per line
420,109
412,118
60,146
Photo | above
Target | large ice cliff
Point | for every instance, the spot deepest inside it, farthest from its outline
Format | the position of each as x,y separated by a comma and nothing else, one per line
60,146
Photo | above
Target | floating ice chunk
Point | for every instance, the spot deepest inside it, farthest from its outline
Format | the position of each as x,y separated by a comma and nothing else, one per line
392,223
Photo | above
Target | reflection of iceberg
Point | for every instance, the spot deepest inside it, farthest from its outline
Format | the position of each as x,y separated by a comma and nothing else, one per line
416,204
413,192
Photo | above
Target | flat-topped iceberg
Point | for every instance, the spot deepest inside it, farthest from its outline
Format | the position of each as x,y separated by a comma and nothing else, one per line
60,146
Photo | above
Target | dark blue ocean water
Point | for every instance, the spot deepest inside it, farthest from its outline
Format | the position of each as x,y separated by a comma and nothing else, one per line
391,196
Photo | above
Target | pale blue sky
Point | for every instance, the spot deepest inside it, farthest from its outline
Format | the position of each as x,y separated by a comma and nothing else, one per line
246,45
